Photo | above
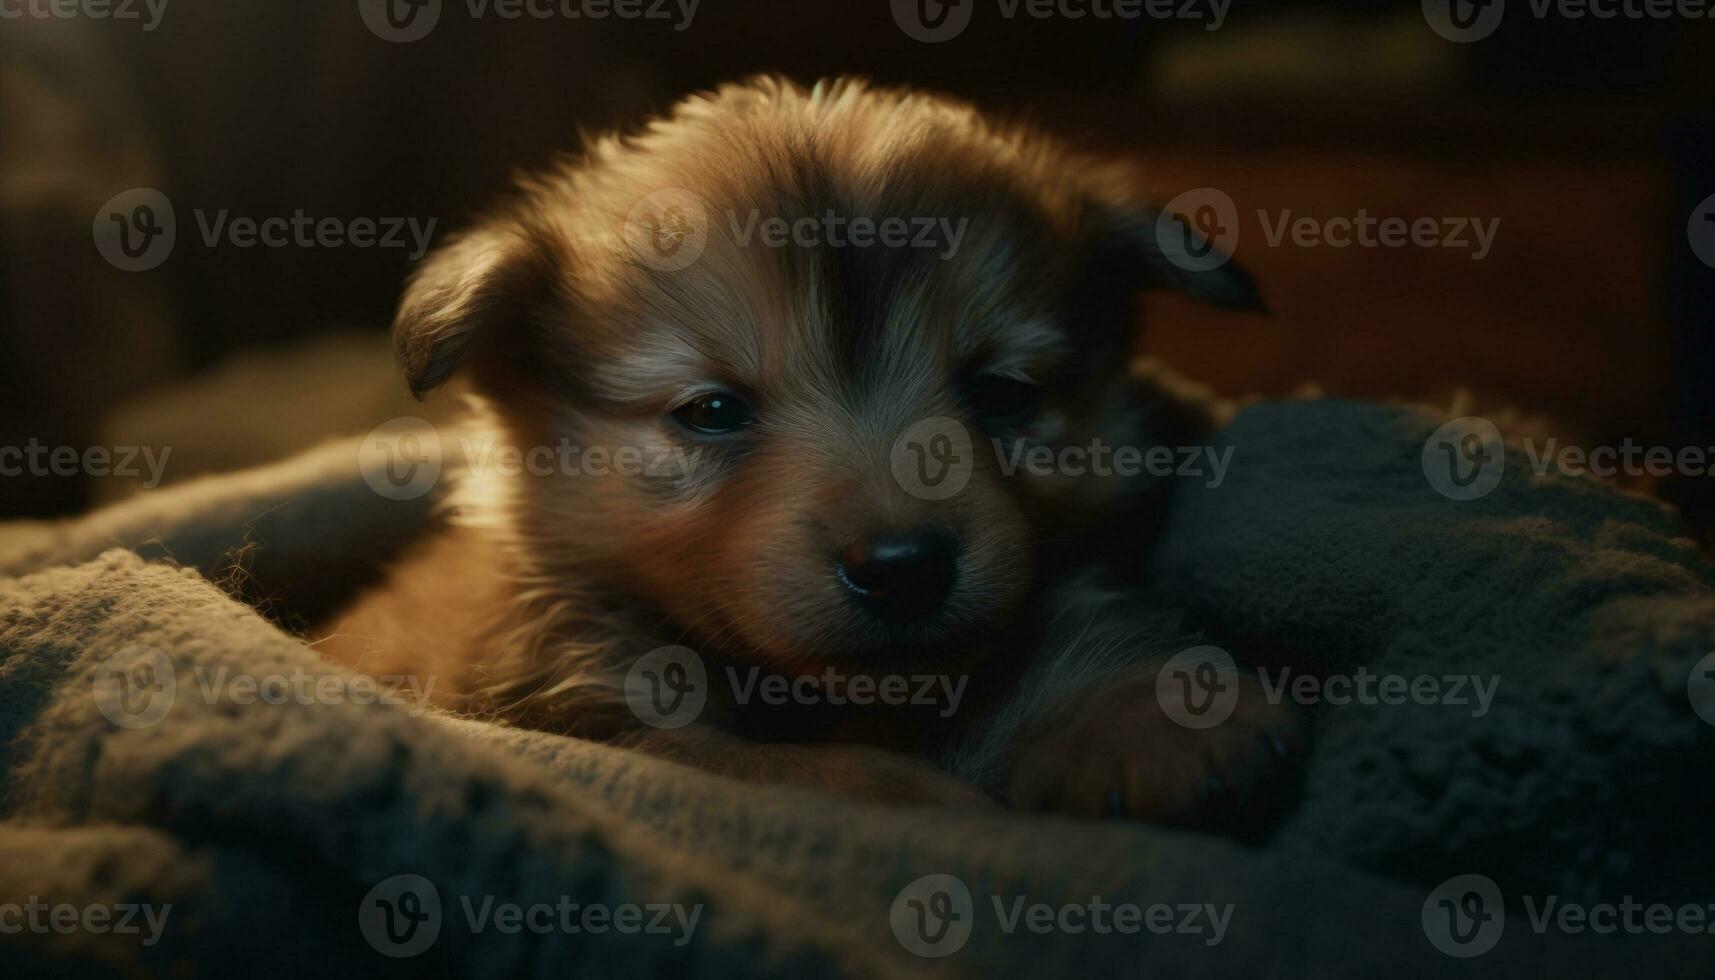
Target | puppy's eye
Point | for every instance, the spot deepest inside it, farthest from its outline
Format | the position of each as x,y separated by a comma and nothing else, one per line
1004,399
714,414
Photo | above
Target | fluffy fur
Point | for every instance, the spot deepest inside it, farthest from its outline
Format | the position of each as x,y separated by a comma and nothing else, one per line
549,586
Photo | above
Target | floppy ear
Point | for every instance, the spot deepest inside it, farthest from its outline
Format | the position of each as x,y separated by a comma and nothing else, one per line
469,290
1148,249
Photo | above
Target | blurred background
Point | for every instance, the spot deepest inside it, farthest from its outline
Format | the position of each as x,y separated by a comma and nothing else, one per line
1590,140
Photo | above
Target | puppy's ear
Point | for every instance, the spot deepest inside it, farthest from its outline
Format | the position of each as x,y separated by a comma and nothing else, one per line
1147,249
469,293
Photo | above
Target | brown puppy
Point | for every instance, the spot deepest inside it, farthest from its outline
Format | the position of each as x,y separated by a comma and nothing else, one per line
779,331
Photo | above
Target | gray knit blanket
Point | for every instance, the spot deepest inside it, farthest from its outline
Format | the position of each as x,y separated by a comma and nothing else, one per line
1514,745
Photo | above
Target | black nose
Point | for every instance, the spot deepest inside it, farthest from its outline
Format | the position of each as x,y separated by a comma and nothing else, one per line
901,577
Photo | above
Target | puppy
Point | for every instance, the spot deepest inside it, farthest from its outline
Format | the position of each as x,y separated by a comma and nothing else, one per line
798,314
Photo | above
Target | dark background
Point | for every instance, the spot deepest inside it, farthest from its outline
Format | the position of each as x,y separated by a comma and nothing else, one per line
1590,140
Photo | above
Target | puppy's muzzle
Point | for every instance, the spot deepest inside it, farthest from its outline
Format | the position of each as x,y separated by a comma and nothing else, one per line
901,578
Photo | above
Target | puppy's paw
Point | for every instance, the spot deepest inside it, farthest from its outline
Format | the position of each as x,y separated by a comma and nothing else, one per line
1114,749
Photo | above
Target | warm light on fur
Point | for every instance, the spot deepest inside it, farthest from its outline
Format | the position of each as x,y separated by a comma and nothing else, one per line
549,586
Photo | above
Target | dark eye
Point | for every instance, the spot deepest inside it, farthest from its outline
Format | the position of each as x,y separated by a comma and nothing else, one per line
714,414
1004,399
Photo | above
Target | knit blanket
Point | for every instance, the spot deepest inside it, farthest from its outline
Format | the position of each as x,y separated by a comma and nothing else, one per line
1514,743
